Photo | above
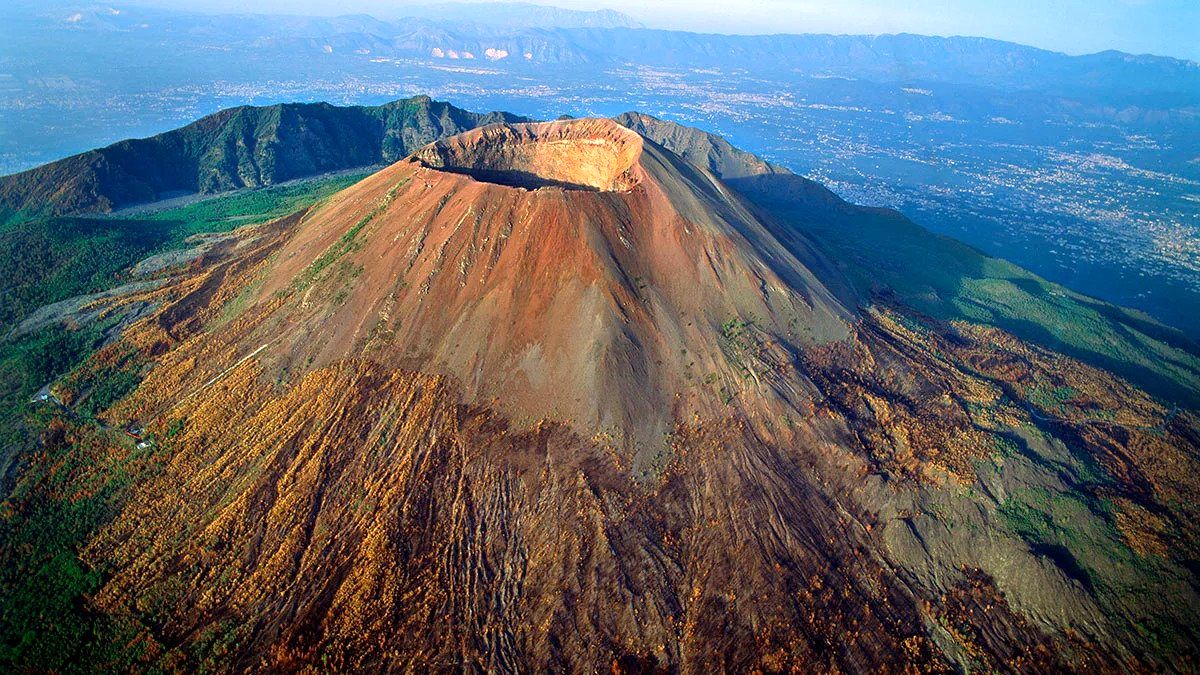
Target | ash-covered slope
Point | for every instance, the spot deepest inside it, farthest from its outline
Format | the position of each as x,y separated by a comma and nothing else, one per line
567,270
700,147
879,250
551,397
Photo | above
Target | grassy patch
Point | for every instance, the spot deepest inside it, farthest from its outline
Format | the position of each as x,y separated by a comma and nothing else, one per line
1077,532
741,349
221,214
76,479
346,243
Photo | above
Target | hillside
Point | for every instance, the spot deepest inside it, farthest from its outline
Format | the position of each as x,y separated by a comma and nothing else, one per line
554,397
235,148
880,249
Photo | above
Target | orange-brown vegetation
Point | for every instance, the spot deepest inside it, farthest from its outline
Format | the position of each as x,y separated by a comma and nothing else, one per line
442,422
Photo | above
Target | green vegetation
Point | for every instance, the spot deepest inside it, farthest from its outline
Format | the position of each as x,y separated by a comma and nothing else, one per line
50,260
108,383
1044,517
44,261
235,148
220,214
743,351
1053,400
71,490
734,330
346,243
881,250
1003,447
26,364
54,259
1077,532
58,491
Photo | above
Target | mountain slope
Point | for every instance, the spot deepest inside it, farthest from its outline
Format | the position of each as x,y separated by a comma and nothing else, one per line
236,148
571,300
554,397
700,148
879,249
550,397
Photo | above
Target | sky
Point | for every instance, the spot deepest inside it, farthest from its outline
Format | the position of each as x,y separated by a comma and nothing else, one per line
1163,27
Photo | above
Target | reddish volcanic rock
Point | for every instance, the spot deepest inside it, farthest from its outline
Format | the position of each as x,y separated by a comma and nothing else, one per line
583,155
601,306
549,397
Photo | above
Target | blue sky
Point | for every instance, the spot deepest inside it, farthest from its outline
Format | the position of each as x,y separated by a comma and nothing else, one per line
1165,27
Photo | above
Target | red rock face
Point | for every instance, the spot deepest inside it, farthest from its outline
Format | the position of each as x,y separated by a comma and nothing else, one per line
594,155
549,397
601,306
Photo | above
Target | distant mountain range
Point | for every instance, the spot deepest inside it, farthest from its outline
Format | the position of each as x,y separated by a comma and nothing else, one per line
540,36
518,14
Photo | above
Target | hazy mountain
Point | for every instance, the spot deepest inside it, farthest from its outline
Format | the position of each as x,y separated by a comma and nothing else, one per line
520,14
565,37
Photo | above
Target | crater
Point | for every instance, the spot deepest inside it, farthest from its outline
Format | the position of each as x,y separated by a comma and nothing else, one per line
595,155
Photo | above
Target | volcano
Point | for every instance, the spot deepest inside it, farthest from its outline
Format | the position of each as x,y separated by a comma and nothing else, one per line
564,270
588,395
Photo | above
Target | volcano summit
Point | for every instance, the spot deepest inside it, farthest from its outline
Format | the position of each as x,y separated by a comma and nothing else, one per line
611,394
565,270
580,155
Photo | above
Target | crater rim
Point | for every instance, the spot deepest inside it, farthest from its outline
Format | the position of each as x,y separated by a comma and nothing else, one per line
590,155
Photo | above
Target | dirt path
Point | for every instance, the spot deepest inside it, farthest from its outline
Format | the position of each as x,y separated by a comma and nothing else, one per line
219,376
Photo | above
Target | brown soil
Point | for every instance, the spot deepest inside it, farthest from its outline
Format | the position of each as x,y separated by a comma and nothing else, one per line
457,423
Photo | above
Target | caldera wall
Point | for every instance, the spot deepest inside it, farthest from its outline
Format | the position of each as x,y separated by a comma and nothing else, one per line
594,155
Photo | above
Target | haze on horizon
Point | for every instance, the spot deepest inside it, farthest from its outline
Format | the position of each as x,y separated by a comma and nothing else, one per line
1161,27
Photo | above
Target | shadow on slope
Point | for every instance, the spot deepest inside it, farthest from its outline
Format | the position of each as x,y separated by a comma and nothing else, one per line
880,250
518,179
